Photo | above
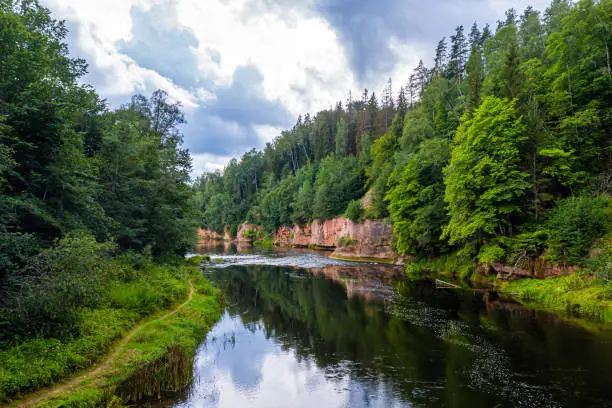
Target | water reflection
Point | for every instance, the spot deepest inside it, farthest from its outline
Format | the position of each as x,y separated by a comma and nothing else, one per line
346,336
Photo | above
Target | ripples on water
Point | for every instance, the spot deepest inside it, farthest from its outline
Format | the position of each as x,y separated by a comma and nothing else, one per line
304,260
303,330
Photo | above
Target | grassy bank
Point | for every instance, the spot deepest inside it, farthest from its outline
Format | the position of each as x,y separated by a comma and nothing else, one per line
582,294
157,359
579,294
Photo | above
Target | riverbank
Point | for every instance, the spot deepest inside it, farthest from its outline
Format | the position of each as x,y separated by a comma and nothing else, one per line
366,241
156,357
580,294
577,295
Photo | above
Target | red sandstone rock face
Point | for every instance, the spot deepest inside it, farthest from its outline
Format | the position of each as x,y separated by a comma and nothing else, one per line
370,239
540,268
328,233
208,235
245,231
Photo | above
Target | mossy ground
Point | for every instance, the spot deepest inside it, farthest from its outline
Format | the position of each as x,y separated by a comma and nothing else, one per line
265,242
44,362
580,294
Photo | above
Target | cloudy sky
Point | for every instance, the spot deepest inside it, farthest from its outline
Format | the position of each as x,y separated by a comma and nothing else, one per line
245,69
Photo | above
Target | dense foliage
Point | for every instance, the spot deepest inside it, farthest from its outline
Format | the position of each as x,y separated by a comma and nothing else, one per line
79,185
470,155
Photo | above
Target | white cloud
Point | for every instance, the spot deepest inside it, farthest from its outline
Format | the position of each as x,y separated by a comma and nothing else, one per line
267,133
208,163
303,63
100,25
283,53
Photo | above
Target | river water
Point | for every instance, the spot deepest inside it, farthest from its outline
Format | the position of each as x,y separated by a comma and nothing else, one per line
302,330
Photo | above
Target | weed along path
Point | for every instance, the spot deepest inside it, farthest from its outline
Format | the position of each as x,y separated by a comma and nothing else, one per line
49,392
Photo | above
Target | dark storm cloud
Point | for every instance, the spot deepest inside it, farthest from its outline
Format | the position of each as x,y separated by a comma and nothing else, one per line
156,46
226,125
365,27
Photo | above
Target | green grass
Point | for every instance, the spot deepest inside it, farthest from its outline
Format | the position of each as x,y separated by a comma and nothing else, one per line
39,362
579,294
35,363
157,360
346,241
265,242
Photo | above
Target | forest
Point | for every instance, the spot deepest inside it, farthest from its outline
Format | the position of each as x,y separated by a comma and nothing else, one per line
500,151
96,207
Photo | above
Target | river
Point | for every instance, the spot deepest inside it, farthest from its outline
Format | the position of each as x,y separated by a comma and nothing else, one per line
302,330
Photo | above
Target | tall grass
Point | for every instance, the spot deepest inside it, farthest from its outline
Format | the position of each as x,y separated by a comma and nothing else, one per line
580,294
28,364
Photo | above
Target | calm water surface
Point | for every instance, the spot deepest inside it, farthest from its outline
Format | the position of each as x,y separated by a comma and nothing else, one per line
301,330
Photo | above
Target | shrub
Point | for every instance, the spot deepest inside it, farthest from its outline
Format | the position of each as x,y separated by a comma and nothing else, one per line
599,261
250,233
346,241
491,253
46,296
573,227
353,210
138,297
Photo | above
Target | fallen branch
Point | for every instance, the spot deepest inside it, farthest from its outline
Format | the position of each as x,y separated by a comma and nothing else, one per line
447,284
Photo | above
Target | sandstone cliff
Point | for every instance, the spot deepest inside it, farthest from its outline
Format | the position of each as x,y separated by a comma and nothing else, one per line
369,240
209,235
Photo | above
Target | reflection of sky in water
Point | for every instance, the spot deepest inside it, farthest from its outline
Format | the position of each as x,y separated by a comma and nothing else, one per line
239,367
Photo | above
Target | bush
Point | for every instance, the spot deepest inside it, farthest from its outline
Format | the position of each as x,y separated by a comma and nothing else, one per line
491,253
250,233
138,297
353,210
45,297
345,241
573,227
599,261
454,264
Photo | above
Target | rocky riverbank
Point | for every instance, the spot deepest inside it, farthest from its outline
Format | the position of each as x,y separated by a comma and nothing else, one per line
367,241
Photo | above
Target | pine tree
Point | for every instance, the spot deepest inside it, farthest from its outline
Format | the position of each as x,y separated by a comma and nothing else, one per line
440,58
457,56
474,37
402,102
421,76
342,142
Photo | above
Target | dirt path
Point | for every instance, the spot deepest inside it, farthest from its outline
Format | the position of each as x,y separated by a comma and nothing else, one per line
56,389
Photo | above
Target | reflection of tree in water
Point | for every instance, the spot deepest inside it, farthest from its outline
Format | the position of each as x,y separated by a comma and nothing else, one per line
352,337
429,346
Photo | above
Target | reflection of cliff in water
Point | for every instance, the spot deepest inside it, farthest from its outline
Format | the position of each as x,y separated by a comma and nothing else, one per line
424,345
347,336
370,282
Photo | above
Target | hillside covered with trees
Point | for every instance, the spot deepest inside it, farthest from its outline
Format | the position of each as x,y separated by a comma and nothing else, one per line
500,151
